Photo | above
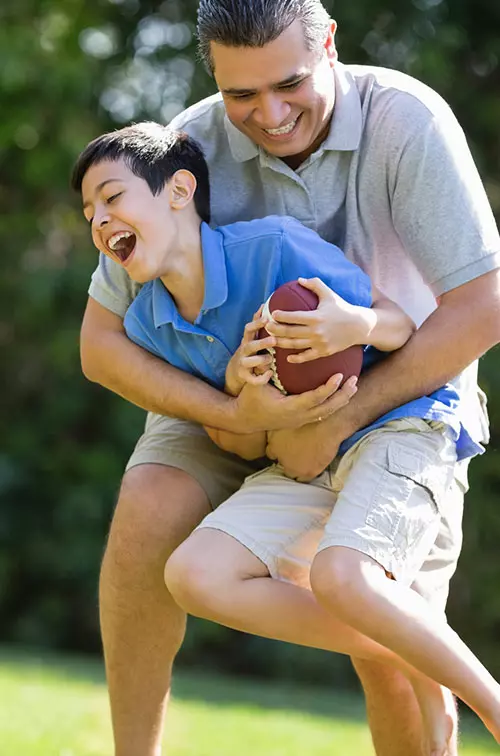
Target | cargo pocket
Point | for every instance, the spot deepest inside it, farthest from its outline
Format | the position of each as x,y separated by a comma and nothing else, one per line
409,496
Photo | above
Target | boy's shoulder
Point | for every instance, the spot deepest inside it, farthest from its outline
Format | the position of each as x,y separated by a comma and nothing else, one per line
271,226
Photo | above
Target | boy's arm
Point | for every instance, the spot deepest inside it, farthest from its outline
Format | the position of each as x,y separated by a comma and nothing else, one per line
337,324
112,360
388,327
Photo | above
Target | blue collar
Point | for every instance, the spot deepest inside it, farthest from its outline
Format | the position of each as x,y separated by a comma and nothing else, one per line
215,274
345,128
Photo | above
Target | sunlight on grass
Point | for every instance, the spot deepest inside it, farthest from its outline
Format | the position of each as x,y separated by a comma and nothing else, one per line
54,706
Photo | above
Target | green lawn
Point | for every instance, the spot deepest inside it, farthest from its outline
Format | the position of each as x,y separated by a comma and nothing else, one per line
55,706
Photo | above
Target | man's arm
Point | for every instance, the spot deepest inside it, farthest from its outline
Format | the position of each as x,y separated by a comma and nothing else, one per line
463,327
111,359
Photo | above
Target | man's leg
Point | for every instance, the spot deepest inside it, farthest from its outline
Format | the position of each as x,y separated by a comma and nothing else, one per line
392,710
173,474
142,628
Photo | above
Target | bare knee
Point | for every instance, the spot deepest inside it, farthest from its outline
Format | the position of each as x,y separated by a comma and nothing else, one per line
192,581
157,508
335,577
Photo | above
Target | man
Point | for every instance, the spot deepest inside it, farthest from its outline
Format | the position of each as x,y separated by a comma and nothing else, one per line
376,163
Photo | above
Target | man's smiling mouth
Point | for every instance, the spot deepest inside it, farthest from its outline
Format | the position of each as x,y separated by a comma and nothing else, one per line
122,244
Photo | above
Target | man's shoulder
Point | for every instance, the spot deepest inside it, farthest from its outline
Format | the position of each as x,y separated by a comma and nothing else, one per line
203,120
391,94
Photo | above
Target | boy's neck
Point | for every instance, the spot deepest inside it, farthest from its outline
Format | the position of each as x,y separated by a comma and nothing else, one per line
186,279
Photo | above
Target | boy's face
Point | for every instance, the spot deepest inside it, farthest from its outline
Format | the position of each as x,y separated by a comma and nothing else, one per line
280,95
129,224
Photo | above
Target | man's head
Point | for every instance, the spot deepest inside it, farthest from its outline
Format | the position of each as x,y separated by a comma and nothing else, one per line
142,187
272,61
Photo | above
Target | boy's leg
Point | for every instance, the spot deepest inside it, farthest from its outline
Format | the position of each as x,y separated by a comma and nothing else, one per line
142,628
386,513
236,568
392,709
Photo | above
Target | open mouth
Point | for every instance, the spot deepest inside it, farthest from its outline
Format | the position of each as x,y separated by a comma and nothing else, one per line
122,244
284,131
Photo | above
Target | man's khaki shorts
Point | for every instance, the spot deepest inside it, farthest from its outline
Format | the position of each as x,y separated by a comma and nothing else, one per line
397,496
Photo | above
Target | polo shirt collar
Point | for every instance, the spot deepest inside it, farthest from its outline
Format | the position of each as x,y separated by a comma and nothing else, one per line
345,128
215,274
214,267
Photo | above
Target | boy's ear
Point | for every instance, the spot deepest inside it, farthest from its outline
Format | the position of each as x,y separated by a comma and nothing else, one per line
182,188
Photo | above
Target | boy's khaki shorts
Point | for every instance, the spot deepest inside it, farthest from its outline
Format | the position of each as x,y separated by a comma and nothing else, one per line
397,496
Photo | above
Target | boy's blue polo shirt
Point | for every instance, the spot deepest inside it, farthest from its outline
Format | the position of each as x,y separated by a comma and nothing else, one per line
243,264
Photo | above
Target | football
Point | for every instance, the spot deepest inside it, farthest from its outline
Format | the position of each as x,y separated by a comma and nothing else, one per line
294,378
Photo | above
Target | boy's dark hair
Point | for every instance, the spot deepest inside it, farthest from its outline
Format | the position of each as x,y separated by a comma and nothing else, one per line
254,23
154,153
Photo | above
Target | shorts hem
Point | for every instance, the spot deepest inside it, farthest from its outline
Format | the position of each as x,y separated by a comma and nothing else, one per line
257,549
179,462
388,563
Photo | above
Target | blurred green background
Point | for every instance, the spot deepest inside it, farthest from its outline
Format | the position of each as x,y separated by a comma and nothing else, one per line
69,70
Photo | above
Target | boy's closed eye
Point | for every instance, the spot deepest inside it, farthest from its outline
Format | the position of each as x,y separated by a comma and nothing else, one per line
108,201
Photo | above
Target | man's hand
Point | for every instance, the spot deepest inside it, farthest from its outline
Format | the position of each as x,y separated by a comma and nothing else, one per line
304,452
334,326
266,408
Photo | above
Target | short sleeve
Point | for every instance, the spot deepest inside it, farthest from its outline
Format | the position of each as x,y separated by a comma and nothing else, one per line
111,286
440,208
305,254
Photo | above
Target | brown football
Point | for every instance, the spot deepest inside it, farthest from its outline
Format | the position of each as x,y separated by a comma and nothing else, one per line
294,378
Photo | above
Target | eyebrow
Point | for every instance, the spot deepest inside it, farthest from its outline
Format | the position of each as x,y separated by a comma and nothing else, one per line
283,83
98,189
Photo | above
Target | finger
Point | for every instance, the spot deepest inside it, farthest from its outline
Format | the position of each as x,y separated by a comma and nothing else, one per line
294,343
252,328
295,317
306,356
258,314
259,379
336,401
291,331
256,361
316,397
257,345
317,285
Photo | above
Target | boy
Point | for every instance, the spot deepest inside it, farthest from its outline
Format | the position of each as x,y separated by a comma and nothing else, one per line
145,191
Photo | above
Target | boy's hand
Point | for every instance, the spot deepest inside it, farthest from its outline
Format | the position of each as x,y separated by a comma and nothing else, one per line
334,326
247,365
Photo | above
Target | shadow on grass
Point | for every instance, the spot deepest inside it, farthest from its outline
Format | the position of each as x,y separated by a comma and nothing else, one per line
211,688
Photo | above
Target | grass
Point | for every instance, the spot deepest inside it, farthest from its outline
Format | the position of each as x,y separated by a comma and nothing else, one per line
57,706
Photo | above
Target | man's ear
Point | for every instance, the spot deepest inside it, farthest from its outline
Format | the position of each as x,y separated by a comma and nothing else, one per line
330,47
182,188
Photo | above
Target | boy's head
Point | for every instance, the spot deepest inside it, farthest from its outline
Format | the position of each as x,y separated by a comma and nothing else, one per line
142,187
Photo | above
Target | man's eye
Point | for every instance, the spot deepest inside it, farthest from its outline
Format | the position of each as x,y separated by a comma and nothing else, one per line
292,85
243,96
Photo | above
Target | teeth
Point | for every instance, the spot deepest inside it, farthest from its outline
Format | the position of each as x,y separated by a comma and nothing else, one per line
116,238
282,130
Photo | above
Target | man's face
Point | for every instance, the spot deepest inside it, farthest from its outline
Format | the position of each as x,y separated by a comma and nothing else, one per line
129,224
280,95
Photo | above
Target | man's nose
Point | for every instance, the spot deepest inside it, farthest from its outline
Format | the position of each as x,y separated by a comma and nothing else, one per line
271,111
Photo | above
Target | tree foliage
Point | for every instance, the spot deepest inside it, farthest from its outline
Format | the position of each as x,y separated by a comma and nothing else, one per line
68,71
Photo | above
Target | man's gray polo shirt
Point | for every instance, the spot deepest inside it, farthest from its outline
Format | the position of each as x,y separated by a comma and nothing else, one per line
393,185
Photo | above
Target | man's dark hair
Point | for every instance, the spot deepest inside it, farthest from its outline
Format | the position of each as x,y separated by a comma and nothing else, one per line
254,23
154,153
